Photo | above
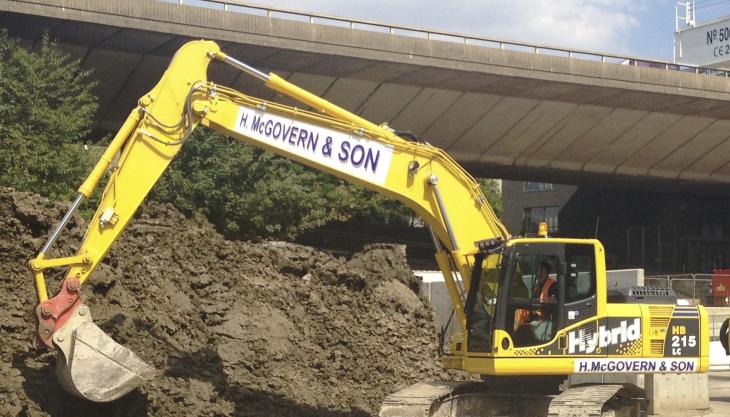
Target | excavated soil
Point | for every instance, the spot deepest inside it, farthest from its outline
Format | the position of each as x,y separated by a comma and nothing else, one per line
234,328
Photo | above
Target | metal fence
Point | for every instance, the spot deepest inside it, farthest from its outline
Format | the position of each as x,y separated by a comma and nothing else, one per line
694,287
238,6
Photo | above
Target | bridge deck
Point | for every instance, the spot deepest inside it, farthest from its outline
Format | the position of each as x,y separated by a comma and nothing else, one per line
500,112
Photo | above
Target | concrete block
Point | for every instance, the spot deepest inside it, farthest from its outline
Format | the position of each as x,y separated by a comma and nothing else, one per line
636,379
623,278
677,392
433,288
438,296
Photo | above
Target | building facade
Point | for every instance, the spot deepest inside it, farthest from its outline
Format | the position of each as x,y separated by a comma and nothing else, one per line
663,232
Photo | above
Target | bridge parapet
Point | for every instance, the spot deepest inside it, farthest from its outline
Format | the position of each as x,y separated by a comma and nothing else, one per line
502,108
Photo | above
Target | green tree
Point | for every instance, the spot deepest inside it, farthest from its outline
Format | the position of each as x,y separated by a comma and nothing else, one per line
253,194
493,193
250,193
46,108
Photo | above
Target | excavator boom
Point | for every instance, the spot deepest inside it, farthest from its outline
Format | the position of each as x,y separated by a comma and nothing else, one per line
328,138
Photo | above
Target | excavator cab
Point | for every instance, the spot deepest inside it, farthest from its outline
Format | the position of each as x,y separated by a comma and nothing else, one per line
530,291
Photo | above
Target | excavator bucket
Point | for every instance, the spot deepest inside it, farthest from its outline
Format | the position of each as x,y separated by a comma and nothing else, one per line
92,365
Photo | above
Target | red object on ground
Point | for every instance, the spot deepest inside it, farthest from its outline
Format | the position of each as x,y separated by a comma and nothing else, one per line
721,287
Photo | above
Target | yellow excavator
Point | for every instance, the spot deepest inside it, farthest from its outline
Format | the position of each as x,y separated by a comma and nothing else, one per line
530,311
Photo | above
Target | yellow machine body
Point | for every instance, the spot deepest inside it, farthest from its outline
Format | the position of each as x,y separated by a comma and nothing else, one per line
614,337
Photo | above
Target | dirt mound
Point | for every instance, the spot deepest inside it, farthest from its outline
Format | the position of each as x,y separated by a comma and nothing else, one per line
235,329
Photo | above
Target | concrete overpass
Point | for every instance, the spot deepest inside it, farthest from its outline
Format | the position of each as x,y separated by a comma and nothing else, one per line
503,109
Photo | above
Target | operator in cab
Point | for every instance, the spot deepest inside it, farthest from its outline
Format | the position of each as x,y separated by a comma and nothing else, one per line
535,325
546,289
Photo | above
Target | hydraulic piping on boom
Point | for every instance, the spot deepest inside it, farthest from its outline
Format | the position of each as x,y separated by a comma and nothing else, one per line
534,309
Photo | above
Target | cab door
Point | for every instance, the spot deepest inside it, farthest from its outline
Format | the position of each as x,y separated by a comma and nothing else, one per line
532,318
578,286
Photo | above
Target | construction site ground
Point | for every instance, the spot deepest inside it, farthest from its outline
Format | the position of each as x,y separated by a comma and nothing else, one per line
234,328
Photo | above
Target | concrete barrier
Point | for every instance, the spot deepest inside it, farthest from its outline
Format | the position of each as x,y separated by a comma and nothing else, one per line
622,278
677,392
434,289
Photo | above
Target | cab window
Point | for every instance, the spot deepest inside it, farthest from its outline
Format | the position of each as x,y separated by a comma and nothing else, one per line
482,302
533,299
580,280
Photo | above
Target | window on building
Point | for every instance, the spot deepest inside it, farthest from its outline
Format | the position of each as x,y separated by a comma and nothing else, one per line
530,186
535,215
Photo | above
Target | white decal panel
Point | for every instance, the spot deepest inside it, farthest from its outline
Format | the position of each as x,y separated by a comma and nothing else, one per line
600,365
363,158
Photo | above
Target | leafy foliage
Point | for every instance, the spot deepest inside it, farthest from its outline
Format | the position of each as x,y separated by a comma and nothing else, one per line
250,193
491,190
46,108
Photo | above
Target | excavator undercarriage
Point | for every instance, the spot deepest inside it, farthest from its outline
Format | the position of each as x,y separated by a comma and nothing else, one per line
485,399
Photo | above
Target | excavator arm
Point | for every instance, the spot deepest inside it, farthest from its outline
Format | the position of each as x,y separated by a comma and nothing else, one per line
329,138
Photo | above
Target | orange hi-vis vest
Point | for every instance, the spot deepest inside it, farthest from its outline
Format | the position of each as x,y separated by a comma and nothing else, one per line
544,293
524,316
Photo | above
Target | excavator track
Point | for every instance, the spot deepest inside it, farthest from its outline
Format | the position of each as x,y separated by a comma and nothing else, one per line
599,400
478,399
462,399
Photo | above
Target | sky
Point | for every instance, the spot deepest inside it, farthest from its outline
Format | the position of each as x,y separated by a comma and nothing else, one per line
642,28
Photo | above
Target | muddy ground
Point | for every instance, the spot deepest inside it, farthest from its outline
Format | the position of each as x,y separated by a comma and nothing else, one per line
234,328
